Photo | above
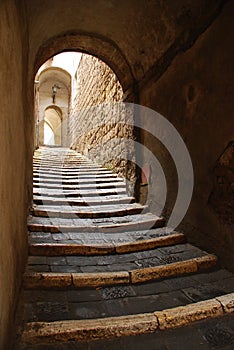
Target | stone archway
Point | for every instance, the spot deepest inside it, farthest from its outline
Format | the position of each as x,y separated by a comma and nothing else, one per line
97,46
108,52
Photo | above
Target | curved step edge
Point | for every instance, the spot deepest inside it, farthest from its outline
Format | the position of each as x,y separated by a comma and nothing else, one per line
83,201
93,329
146,224
53,280
58,249
89,213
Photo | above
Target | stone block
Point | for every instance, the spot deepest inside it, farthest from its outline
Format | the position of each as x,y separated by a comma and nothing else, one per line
183,315
81,280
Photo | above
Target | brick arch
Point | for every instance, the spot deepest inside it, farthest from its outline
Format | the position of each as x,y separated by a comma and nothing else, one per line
98,46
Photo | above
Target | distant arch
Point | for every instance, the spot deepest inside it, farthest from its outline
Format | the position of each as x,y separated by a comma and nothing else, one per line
53,73
53,119
47,101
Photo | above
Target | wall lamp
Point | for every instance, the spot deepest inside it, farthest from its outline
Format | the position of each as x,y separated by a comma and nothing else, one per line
55,88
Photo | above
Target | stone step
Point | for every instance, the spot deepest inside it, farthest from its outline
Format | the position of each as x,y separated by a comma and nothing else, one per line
80,331
113,271
78,186
84,201
169,249
86,176
76,181
57,156
126,268
78,172
128,240
122,300
72,167
79,193
65,165
67,211
68,169
64,160
96,244
112,224
59,159
76,280
61,162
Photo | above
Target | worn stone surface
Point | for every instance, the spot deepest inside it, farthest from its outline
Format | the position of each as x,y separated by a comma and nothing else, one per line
227,302
219,333
113,224
99,243
158,272
150,243
206,334
206,262
89,329
106,301
119,262
99,279
47,280
65,331
183,315
53,249
97,129
95,283
88,211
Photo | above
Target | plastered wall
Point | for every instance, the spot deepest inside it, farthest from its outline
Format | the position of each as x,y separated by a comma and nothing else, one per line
195,94
13,176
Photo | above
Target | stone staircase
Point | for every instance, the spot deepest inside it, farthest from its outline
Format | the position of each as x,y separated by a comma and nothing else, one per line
102,268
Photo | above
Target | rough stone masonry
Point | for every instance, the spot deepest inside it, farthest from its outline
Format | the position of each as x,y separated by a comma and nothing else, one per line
98,123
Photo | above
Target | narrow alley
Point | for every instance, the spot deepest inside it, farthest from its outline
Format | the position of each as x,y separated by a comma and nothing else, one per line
102,266
117,175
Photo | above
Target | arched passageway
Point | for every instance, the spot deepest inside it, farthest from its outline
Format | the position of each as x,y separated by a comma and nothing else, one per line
53,120
161,54
52,102
94,125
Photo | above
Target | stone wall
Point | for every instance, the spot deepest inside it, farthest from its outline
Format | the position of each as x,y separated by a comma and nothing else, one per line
222,198
14,169
98,122
195,94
